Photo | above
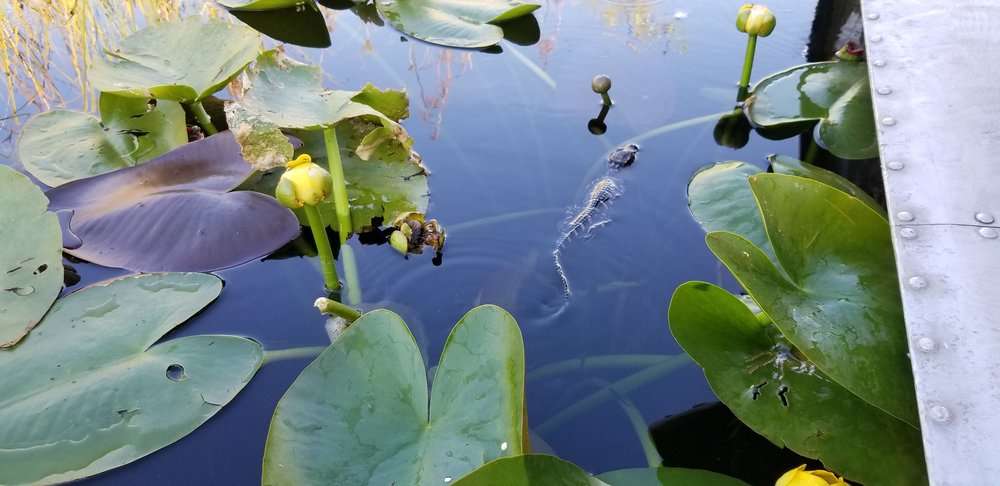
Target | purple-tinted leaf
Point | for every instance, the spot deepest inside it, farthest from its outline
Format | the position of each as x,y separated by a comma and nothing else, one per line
175,213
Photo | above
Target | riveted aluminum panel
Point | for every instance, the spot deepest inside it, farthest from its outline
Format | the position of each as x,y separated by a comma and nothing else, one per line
934,68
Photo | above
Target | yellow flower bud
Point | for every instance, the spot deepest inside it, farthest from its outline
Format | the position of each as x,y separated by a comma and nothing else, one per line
755,20
800,477
399,242
303,183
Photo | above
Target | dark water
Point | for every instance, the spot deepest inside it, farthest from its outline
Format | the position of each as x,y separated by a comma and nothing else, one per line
501,140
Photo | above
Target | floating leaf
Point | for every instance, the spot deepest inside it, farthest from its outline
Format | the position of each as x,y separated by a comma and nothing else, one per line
667,476
175,213
60,146
262,143
782,395
782,164
834,96
455,23
530,470
85,392
31,268
170,60
298,22
720,200
836,296
288,94
358,414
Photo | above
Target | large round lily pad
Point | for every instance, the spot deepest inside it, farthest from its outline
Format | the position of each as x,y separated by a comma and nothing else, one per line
529,470
175,213
86,392
60,146
720,199
833,96
31,267
667,476
773,388
182,60
359,415
836,295
455,23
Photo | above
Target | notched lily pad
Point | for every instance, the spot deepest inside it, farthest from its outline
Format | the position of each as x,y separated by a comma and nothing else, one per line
86,392
833,96
720,199
175,213
358,414
61,146
455,23
781,394
31,266
159,61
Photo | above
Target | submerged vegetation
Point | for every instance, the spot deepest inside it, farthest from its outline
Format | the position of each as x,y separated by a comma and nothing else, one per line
200,159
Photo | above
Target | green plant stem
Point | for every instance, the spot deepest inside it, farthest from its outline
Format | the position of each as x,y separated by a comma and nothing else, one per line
618,388
329,267
351,280
204,121
748,62
604,362
270,356
606,100
334,308
638,423
341,207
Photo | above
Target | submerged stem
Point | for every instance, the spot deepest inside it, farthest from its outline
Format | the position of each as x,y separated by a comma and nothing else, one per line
341,207
271,356
329,267
748,62
351,279
204,121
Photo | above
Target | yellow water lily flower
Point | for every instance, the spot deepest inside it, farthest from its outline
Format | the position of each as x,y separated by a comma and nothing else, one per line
755,20
303,183
800,477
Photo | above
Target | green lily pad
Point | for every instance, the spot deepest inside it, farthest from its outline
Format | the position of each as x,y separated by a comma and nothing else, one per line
261,5
782,164
454,23
358,414
833,96
720,199
836,296
61,146
86,391
290,95
170,60
785,397
31,267
667,476
298,22
530,470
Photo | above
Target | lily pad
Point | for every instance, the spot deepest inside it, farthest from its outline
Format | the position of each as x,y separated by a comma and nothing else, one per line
60,146
530,470
782,164
358,414
170,60
721,200
86,391
175,213
836,296
298,22
833,96
261,5
290,95
454,23
783,396
31,267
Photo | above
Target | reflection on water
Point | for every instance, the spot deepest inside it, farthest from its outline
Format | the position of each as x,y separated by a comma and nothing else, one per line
511,157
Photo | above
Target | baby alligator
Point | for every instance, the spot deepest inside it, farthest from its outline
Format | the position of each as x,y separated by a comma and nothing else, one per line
602,192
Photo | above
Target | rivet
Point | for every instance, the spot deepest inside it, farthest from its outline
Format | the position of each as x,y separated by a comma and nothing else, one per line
888,121
985,218
894,165
904,216
878,63
876,38
873,16
884,90
990,233
917,282
908,233
939,413
926,344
